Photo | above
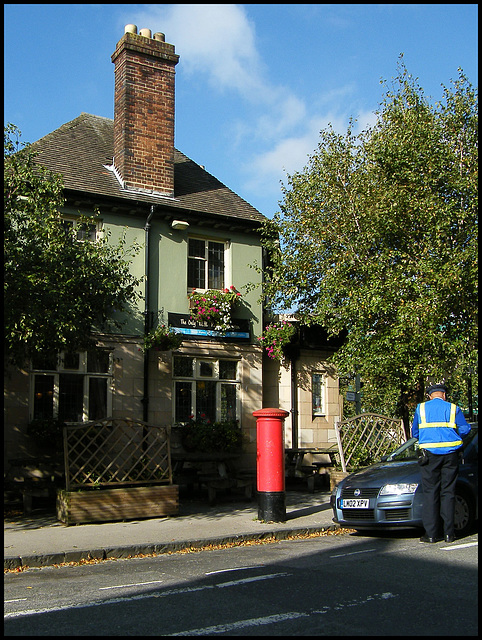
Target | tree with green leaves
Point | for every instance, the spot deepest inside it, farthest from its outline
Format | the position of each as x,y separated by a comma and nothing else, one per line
57,289
377,236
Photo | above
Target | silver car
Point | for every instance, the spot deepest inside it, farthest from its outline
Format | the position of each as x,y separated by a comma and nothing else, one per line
388,494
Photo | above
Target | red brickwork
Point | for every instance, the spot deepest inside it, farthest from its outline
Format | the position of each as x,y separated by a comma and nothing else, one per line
144,113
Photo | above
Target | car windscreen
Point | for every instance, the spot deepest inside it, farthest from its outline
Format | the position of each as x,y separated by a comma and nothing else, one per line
407,451
410,450
471,445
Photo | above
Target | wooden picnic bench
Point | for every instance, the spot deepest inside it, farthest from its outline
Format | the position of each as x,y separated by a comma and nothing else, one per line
297,467
213,470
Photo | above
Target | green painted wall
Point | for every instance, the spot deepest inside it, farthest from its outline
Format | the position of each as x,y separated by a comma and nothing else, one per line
168,267
170,291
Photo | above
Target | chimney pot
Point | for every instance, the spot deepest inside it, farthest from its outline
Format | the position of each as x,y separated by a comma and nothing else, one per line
130,28
145,32
160,36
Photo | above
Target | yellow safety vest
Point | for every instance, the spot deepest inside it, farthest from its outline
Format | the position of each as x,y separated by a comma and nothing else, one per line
438,425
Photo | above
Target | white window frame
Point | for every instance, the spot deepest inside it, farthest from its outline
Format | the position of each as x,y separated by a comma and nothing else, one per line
320,410
227,262
197,377
81,371
76,223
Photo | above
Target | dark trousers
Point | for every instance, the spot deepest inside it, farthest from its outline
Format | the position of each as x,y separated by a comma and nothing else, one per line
439,477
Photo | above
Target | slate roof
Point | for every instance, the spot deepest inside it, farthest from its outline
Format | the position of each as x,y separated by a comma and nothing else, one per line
81,149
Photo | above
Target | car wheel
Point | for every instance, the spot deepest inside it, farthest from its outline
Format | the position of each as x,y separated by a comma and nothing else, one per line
464,513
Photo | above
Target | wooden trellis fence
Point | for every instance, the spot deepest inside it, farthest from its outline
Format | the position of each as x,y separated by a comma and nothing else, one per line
372,434
116,451
116,469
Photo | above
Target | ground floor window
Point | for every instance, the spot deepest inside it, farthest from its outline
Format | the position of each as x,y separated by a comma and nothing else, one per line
317,394
205,388
73,387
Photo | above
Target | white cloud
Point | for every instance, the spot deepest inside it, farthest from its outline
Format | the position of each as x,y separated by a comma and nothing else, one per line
286,112
282,130
288,155
215,39
365,120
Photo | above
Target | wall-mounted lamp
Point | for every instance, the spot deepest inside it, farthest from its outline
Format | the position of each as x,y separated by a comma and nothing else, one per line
180,225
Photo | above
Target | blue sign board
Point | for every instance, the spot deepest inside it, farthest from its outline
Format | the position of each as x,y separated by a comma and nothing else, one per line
183,323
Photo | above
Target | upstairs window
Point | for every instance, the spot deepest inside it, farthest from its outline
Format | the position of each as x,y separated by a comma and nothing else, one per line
83,231
206,264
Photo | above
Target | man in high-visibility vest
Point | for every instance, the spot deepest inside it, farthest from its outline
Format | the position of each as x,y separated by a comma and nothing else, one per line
439,426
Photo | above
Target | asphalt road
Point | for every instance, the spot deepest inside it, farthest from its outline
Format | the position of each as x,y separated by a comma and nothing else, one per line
349,584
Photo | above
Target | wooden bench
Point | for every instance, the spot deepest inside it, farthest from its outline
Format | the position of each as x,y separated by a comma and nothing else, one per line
228,478
34,478
216,471
312,471
309,472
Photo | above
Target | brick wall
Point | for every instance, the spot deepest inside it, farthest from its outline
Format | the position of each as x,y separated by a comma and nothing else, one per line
144,113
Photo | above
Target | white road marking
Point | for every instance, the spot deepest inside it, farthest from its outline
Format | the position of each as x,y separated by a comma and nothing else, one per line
16,600
86,605
211,573
135,584
356,603
141,596
233,583
241,624
460,546
280,617
352,553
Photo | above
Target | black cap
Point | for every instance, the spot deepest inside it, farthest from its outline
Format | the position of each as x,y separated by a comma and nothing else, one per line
436,387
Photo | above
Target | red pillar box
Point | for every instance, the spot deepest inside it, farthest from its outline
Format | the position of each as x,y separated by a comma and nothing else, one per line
271,464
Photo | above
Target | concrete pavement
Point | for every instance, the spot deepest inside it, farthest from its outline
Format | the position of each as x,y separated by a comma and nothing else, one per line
40,540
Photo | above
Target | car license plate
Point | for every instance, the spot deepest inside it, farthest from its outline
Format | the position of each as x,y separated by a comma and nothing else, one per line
355,503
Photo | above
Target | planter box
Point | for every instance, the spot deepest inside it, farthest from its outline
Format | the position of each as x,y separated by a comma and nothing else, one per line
108,505
336,477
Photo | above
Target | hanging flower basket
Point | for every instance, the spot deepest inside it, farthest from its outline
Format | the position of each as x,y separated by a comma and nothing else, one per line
214,307
163,338
276,337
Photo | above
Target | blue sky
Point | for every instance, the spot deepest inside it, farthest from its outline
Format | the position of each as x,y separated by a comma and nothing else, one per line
255,83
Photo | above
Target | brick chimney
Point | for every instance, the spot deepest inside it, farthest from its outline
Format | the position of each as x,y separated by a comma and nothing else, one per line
144,111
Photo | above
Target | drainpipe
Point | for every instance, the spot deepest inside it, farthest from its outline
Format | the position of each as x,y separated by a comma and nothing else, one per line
294,403
294,353
147,323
